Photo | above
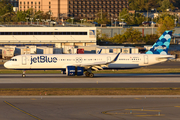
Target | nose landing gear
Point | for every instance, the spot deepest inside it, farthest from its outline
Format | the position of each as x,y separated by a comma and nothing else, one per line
24,74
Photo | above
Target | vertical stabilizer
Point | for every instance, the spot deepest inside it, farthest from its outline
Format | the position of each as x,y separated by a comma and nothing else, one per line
162,44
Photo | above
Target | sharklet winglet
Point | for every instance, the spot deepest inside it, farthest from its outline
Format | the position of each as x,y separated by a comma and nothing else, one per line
100,51
116,57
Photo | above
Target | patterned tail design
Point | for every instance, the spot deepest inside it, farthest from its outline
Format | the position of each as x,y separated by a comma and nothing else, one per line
162,44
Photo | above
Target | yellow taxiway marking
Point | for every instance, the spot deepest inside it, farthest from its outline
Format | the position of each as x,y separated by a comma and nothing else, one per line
144,110
22,110
33,99
126,113
149,115
138,98
176,106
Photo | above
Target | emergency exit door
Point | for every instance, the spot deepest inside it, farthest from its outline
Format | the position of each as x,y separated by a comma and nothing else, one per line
108,59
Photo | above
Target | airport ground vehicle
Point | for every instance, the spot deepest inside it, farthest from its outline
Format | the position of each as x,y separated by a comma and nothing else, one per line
146,23
77,64
115,23
122,23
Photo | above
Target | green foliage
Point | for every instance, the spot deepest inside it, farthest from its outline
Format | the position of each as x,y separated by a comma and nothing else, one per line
102,18
8,15
131,19
151,39
165,4
6,12
124,12
5,8
137,5
130,36
166,23
144,5
20,16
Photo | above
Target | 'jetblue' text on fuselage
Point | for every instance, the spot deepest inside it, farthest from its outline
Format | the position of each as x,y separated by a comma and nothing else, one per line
43,59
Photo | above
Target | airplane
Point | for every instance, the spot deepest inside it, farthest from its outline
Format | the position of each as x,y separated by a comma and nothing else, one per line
77,64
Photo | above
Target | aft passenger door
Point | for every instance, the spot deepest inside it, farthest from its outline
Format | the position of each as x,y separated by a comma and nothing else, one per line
24,61
145,59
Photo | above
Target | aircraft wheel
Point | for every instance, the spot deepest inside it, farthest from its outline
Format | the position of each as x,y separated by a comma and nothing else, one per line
87,74
23,75
91,75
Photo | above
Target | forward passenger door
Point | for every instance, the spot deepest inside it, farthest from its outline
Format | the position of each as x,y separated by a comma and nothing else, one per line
24,60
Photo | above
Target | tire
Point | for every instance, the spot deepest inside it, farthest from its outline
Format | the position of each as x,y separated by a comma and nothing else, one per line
91,75
23,75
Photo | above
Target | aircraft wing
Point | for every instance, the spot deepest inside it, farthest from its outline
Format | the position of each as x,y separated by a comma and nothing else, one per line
98,65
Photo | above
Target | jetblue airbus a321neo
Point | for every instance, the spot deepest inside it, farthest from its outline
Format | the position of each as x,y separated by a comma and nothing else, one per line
77,64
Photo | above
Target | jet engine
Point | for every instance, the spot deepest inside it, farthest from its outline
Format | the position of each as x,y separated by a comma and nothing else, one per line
73,70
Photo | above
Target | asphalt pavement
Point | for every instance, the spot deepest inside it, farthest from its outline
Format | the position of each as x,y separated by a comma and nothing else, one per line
99,81
90,108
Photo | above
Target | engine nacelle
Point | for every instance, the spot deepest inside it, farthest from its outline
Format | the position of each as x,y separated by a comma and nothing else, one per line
80,71
72,71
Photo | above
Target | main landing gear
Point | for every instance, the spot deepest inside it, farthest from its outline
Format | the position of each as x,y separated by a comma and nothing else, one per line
89,74
24,74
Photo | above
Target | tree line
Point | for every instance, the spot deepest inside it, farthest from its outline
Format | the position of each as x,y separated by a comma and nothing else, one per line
160,5
134,36
8,15
130,36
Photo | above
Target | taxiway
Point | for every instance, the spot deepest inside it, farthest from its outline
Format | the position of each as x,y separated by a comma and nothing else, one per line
90,108
99,81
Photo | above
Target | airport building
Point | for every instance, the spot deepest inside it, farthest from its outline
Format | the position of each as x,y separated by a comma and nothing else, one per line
56,36
75,8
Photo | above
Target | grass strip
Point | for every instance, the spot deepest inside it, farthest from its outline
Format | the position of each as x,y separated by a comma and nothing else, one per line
138,70
88,91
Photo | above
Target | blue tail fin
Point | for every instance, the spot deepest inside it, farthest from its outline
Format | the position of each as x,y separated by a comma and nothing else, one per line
162,44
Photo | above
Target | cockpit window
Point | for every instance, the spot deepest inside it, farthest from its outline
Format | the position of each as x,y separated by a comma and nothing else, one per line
13,59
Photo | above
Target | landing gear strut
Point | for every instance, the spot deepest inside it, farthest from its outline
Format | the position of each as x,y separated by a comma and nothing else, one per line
89,73
24,74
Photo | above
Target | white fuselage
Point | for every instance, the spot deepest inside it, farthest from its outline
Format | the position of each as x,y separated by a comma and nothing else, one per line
61,61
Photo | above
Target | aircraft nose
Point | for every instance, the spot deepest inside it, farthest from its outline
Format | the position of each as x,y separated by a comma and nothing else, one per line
6,64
